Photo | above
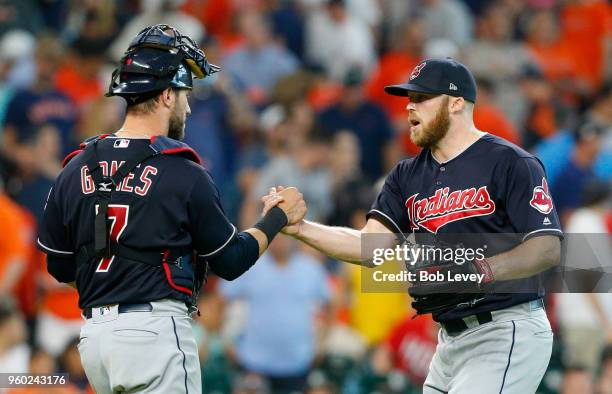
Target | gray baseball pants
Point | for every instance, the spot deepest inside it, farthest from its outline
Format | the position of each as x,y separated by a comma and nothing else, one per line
508,355
141,352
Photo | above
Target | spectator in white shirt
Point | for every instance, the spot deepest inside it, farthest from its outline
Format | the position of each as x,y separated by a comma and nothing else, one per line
338,41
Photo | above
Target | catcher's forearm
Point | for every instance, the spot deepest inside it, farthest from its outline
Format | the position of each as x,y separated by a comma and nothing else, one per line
527,259
341,243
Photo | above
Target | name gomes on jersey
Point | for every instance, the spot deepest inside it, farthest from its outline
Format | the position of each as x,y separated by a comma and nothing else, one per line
431,213
127,185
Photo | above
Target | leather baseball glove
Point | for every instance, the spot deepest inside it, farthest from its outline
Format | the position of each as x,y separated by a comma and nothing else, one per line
440,284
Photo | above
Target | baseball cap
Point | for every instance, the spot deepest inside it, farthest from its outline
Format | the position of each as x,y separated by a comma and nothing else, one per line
438,76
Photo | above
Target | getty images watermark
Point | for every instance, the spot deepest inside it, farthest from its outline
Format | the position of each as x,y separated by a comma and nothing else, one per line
585,265
411,254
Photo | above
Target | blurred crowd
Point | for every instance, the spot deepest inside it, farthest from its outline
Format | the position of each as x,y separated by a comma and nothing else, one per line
300,102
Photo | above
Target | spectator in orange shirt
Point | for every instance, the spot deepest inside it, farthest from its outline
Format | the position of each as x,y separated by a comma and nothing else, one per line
78,78
26,289
585,26
488,117
216,15
408,46
552,55
14,245
59,320
396,65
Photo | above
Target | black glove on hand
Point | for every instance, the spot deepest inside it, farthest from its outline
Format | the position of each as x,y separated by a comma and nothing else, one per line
438,286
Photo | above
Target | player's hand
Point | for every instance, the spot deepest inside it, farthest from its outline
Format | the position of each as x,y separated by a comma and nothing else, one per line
292,204
292,228
270,201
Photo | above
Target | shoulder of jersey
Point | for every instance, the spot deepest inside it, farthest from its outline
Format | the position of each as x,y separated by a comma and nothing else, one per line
501,145
406,163
160,144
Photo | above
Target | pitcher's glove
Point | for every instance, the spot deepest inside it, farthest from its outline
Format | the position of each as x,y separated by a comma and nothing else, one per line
440,285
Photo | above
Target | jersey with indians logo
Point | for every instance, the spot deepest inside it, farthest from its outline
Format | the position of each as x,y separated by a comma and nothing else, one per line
491,187
492,193
434,212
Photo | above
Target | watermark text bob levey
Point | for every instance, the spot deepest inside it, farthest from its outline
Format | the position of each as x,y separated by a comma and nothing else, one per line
423,254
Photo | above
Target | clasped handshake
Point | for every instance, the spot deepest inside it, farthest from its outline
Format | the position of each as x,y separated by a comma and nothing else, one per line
291,201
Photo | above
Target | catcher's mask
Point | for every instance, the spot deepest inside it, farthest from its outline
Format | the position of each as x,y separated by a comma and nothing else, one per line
158,57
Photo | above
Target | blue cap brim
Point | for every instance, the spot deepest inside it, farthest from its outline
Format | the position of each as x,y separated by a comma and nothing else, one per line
404,88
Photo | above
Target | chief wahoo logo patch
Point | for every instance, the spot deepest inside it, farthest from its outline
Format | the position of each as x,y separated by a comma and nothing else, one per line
541,199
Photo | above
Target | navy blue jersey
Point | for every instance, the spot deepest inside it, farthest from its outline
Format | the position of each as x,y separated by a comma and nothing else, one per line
491,187
166,202
28,110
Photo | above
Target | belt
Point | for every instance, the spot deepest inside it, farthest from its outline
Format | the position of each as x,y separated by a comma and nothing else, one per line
457,326
125,308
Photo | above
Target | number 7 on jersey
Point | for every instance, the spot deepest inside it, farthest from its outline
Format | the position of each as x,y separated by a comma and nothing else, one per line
118,214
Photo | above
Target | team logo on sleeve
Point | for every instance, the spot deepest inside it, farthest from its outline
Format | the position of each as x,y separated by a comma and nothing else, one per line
541,199
431,213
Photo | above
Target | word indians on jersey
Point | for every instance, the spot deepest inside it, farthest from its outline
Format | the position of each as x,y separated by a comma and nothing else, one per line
431,213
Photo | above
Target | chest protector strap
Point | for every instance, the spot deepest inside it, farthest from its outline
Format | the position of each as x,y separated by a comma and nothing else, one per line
106,183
